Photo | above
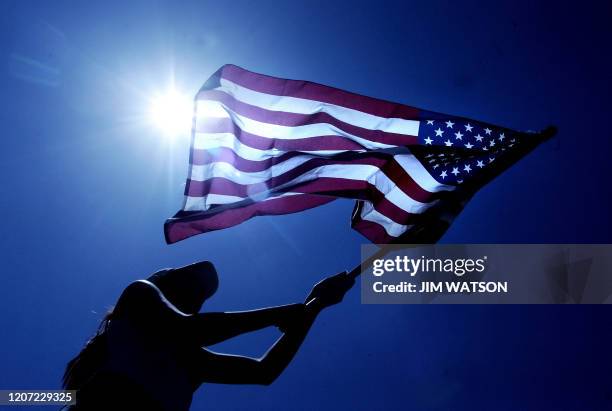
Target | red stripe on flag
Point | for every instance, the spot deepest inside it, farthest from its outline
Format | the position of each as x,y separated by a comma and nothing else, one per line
179,228
318,92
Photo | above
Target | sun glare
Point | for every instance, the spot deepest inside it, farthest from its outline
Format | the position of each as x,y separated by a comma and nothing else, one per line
171,113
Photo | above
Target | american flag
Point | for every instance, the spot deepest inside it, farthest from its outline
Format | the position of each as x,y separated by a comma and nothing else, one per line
263,145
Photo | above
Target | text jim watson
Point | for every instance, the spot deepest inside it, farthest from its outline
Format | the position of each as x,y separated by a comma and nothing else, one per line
442,287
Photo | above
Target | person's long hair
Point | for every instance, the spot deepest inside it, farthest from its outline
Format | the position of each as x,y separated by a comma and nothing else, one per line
86,364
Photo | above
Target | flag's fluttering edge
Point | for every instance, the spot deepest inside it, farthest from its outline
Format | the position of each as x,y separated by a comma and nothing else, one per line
263,145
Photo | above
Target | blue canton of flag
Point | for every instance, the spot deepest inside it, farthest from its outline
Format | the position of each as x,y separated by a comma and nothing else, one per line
466,146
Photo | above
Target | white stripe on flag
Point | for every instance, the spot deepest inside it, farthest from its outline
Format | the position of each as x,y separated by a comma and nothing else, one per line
360,172
392,228
211,141
267,130
305,106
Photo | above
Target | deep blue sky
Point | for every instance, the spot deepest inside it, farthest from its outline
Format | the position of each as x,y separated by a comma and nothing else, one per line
87,183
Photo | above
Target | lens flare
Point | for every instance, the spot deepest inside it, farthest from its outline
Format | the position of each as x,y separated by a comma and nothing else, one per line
171,113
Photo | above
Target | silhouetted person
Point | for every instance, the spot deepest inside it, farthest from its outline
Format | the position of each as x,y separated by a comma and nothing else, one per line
148,352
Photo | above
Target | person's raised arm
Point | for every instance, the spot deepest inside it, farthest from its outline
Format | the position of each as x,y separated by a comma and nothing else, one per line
234,369
230,369
211,328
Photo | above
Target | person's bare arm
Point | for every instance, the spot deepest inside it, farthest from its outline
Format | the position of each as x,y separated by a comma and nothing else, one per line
212,328
234,369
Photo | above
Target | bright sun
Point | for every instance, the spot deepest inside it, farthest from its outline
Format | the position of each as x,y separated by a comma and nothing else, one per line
171,113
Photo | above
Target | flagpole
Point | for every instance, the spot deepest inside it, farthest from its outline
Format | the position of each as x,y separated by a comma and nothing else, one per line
359,268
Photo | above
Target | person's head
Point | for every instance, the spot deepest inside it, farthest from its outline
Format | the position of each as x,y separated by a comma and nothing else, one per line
187,287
